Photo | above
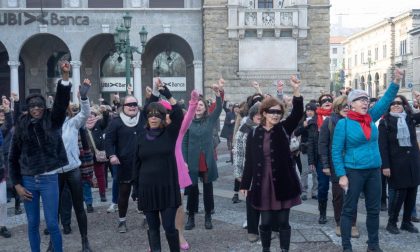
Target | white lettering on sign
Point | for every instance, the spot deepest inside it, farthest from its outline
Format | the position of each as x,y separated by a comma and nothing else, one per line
175,83
113,84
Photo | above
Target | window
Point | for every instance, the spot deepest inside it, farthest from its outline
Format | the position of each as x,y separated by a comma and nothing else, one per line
265,4
166,3
403,47
334,62
376,53
384,51
334,50
369,54
105,4
384,80
362,58
43,4
349,63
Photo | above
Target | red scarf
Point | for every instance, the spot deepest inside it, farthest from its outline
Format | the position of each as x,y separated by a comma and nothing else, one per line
364,121
320,113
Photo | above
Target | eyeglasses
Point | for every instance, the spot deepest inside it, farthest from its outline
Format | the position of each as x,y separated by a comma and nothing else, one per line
362,99
154,114
326,100
344,106
396,103
131,104
274,111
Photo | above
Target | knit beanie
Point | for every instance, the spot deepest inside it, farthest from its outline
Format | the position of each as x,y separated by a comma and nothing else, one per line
355,94
254,110
310,106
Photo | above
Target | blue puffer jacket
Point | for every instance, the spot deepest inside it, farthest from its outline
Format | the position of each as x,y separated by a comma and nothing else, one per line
350,148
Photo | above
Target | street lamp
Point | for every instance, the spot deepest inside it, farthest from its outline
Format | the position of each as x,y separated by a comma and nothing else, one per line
369,78
123,46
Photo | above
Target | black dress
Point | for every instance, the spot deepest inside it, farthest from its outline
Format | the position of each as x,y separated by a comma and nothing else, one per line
155,166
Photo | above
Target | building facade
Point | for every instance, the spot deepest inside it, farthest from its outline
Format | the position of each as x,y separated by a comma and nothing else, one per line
372,54
190,44
337,51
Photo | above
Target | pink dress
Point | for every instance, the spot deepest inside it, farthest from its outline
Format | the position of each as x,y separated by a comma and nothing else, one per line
183,175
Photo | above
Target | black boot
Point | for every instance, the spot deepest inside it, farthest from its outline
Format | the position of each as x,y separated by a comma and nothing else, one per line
85,245
154,240
235,198
392,228
322,206
207,221
265,236
190,222
173,241
408,226
285,239
50,247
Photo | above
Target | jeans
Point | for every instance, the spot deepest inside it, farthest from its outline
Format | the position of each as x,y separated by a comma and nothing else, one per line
87,193
369,182
74,182
114,184
304,176
45,187
323,184
65,206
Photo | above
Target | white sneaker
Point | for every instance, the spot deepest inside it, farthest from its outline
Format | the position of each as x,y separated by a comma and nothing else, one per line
112,208
245,225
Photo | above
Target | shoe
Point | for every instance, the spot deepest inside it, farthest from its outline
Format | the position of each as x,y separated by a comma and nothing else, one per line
355,232
338,231
315,197
253,237
173,241
284,238
103,198
304,197
265,236
384,207
207,221
212,211
245,224
322,206
85,245
122,227
377,249
392,228
184,246
66,229
18,210
112,208
190,223
46,232
5,233
415,219
236,199
89,208
144,224
408,226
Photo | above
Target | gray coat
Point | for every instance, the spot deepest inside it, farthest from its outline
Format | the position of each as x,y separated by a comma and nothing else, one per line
199,138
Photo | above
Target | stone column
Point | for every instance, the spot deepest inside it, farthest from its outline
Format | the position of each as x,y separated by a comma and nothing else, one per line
76,78
137,80
198,76
14,76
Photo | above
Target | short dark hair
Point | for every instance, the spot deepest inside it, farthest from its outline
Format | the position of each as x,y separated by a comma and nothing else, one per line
267,104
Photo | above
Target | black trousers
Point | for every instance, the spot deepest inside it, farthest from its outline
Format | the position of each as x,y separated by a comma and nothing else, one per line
73,180
384,194
168,219
274,219
406,196
66,205
193,195
252,218
236,186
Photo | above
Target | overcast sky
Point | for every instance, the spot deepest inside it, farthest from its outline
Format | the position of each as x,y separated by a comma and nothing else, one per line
362,13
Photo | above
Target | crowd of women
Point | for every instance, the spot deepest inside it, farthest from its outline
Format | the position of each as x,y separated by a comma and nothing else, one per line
159,151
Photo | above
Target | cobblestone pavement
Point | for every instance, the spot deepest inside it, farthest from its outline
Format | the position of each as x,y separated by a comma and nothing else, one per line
227,235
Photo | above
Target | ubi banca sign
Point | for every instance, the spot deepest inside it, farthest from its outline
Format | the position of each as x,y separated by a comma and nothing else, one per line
44,18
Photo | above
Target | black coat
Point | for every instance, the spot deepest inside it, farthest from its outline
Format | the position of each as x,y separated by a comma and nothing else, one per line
404,162
302,131
285,179
99,130
313,135
228,125
34,150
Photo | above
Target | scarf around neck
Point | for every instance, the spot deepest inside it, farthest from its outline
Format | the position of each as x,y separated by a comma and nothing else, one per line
129,121
364,121
403,133
320,112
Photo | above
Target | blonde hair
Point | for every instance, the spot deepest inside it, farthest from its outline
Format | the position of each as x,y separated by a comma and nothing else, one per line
339,103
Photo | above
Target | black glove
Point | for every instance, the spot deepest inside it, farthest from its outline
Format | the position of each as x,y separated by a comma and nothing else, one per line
165,92
84,88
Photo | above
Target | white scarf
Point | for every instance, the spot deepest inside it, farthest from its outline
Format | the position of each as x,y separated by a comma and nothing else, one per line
403,134
130,121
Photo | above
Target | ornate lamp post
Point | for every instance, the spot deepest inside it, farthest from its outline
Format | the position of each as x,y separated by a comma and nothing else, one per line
123,46
369,78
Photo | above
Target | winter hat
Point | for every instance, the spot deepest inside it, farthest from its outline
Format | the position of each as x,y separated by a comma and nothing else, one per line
35,100
356,94
254,110
310,106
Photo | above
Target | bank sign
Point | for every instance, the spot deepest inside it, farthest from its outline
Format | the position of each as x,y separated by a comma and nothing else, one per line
117,84
44,18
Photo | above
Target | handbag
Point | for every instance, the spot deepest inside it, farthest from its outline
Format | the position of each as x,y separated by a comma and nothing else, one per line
100,156
294,143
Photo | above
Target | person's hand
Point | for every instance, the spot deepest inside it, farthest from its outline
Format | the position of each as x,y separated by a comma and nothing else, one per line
221,84
117,97
244,192
305,124
386,172
164,90
114,160
416,95
326,171
312,167
129,89
398,75
14,97
280,86
294,82
239,179
6,105
194,97
344,182
84,89
148,90
65,68
102,108
216,89
23,193
256,85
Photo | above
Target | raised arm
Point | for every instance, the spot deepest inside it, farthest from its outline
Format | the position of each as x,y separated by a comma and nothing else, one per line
62,97
188,117
80,119
293,119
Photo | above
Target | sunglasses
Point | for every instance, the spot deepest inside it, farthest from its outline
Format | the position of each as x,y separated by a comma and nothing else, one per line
326,100
396,103
36,105
131,104
154,114
345,106
274,111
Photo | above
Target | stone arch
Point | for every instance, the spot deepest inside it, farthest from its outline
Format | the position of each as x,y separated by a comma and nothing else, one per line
35,62
4,71
362,83
161,43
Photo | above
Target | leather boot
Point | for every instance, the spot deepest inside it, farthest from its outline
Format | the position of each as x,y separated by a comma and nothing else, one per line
173,241
85,245
207,221
154,240
190,222
265,236
285,239
50,247
322,206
